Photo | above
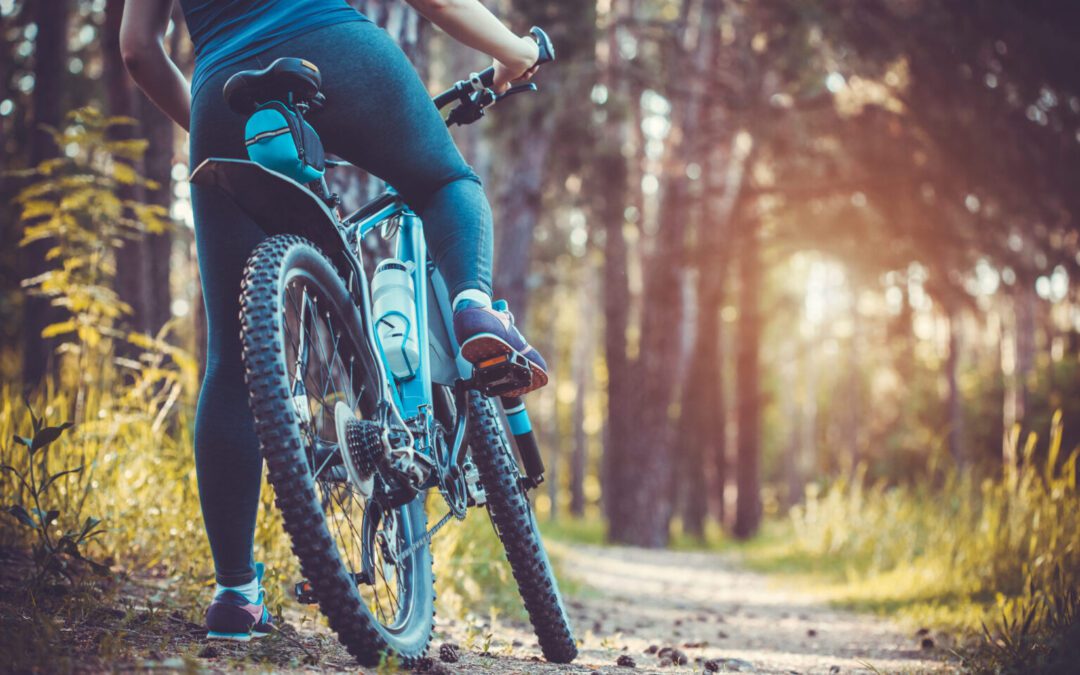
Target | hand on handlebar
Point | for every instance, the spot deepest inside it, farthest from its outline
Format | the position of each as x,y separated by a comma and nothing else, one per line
492,85
519,70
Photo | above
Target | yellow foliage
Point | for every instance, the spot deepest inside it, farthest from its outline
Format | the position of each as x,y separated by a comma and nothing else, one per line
57,329
74,203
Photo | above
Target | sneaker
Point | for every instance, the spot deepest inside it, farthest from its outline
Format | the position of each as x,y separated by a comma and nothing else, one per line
231,616
485,333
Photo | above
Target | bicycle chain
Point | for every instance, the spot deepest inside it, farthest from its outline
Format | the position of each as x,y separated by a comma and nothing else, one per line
426,539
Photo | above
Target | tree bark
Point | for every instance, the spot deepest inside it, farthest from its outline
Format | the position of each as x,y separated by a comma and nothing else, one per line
610,188
50,54
584,353
520,198
748,500
157,247
704,425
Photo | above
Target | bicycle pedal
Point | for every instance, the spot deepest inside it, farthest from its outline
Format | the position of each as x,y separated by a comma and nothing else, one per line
305,595
501,374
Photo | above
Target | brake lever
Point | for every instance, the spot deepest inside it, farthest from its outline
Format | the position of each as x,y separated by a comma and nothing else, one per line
516,89
474,107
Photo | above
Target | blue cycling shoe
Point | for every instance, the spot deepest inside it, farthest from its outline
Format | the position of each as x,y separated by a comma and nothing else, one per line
488,335
232,616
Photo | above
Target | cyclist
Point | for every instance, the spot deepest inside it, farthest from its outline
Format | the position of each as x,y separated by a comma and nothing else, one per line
379,117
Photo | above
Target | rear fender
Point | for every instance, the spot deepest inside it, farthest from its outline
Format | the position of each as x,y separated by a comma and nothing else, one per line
277,204
280,205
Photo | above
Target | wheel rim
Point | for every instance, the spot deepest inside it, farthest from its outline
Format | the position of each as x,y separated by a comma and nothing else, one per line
325,367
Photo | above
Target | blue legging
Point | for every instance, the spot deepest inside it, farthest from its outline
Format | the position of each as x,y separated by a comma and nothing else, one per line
378,116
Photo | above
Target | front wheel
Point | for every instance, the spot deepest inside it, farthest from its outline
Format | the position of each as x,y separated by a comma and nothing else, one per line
516,527
308,366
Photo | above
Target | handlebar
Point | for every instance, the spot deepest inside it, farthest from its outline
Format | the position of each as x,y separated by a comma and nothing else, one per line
475,94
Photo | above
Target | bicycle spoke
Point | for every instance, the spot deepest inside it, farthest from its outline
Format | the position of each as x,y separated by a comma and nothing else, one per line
323,371
322,466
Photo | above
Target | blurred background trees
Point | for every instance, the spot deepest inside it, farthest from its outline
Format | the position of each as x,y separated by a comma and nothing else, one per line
762,244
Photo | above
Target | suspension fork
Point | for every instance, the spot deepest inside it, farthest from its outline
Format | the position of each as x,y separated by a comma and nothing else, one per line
525,439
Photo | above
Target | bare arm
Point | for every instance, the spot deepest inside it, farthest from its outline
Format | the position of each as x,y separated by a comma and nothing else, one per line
471,24
142,45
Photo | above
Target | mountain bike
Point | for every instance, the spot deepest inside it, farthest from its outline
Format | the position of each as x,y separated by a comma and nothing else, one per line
353,445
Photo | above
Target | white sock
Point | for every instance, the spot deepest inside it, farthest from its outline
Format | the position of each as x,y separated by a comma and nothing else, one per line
250,590
473,294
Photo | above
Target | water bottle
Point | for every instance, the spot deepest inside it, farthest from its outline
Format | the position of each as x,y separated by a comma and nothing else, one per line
394,308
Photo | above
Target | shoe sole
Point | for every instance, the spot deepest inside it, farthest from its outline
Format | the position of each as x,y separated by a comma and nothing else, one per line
485,346
235,637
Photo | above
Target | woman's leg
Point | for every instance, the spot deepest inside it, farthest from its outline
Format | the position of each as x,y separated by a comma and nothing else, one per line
227,458
380,117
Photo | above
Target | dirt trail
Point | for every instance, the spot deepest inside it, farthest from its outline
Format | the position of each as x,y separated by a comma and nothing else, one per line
703,605
624,603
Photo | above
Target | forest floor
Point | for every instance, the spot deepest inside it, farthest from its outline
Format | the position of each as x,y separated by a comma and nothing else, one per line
655,608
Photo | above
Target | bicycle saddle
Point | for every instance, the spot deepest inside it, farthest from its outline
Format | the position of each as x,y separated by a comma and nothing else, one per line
287,79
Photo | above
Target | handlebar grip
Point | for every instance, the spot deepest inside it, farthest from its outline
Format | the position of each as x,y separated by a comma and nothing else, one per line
487,77
547,49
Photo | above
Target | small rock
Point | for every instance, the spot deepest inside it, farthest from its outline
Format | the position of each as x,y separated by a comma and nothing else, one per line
208,652
927,643
833,670
651,649
665,663
811,633
712,666
449,652
736,666
664,652
722,635
679,657
516,643
678,622
922,631
625,661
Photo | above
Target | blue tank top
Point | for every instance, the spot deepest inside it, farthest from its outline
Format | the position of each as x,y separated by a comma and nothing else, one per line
228,31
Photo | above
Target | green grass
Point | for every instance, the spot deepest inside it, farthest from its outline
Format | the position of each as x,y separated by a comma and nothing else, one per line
139,478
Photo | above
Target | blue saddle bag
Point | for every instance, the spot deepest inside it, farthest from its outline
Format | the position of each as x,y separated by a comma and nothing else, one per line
277,138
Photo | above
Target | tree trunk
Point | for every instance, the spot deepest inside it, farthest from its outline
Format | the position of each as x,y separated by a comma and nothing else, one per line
698,407
748,501
584,353
610,188
520,191
648,454
50,55
157,128
120,101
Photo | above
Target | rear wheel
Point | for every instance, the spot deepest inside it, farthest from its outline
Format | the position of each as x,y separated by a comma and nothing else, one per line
516,527
308,368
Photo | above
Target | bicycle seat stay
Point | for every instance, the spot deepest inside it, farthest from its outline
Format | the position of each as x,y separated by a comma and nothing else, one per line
287,79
